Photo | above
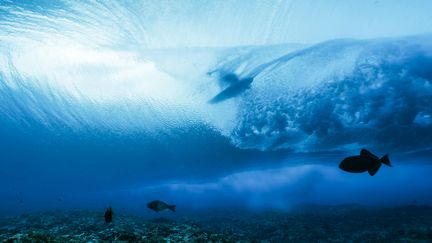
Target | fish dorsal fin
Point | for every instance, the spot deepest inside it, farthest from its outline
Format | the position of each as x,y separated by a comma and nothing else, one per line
365,152
374,170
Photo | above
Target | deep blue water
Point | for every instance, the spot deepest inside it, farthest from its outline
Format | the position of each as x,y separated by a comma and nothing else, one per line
108,103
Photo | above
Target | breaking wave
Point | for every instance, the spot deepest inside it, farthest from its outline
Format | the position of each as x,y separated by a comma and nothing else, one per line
339,94
86,84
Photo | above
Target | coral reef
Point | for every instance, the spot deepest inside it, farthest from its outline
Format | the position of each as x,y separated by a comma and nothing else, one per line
89,226
347,223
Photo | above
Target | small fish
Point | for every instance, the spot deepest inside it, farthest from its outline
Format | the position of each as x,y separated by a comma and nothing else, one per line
366,161
159,206
108,215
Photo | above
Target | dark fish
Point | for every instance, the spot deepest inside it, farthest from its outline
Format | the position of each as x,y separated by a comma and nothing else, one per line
159,206
108,215
236,87
366,161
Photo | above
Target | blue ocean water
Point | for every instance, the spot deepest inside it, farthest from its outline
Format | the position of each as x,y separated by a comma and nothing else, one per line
108,103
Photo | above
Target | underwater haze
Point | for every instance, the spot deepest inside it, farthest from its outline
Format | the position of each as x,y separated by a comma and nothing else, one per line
213,104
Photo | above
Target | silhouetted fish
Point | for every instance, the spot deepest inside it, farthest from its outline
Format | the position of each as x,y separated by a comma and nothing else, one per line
108,215
366,161
159,206
236,87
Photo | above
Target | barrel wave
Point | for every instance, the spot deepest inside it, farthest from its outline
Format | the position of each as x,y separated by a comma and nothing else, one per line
115,98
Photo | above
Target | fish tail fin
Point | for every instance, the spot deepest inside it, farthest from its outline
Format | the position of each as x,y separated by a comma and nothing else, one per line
172,207
385,160
374,170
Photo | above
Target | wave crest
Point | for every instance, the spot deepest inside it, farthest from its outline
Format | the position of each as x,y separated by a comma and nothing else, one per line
379,97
